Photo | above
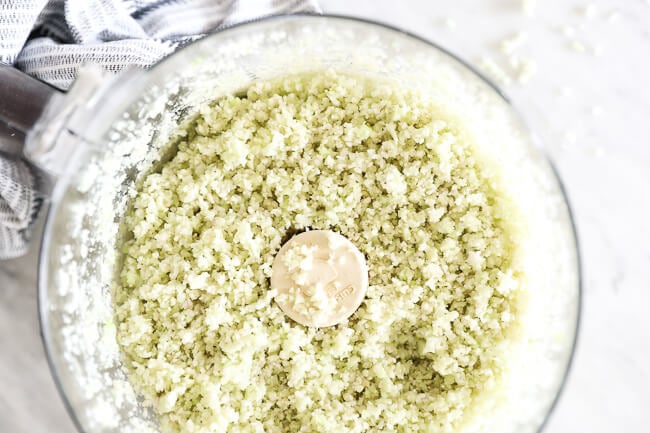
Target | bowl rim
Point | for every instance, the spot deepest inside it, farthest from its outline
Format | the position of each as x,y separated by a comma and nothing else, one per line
48,226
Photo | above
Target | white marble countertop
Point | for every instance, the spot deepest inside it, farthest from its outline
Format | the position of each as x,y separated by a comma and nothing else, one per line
590,99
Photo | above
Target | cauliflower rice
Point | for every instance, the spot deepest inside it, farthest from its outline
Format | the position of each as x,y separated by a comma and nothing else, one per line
205,342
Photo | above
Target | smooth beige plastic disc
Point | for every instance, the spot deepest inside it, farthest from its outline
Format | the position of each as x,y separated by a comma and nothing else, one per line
320,278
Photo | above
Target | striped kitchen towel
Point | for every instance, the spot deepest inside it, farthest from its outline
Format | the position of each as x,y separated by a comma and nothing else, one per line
50,40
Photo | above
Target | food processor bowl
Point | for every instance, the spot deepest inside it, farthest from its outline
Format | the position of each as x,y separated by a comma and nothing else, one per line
121,128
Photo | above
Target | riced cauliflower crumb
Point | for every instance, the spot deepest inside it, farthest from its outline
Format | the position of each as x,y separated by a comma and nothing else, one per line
393,181
526,69
205,342
589,11
510,44
307,297
494,71
614,15
597,50
450,23
578,46
529,6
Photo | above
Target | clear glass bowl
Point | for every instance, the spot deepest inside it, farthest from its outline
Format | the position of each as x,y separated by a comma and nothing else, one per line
122,131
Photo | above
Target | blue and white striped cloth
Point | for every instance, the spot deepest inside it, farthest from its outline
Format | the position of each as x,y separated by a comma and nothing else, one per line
50,40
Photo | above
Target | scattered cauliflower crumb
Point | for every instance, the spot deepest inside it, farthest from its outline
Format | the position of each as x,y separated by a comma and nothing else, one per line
589,11
528,6
597,50
450,23
577,46
494,71
510,44
205,342
580,47
526,70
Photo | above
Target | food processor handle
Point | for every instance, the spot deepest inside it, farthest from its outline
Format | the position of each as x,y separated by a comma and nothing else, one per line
26,106
36,119
22,100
